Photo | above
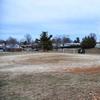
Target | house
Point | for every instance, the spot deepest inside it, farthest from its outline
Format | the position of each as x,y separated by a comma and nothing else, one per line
1,48
98,45
2,45
66,45
13,48
27,47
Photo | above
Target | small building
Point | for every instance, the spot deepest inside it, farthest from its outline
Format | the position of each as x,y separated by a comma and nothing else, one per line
27,47
2,46
67,45
13,48
98,45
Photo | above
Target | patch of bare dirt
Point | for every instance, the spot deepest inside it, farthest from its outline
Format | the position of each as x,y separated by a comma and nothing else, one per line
90,70
50,62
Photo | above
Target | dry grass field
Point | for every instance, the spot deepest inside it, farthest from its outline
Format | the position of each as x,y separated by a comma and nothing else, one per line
50,76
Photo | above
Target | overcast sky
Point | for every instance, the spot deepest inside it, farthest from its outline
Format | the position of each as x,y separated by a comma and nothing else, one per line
58,17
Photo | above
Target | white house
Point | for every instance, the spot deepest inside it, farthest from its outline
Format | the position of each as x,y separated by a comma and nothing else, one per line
97,45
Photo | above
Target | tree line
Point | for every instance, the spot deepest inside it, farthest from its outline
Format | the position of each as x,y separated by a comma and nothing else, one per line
46,42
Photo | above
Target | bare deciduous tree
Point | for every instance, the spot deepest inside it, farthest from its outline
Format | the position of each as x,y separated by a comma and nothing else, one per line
28,38
11,41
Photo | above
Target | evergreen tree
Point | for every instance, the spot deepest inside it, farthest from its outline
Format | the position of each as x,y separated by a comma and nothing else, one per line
45,41
89,41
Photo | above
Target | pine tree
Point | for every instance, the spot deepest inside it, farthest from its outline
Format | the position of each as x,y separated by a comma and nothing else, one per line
89,41
45,41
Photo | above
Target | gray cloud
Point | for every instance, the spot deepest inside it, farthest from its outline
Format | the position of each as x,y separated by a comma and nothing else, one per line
56,16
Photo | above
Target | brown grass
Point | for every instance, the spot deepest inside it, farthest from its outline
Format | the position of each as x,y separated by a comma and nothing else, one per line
71,77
